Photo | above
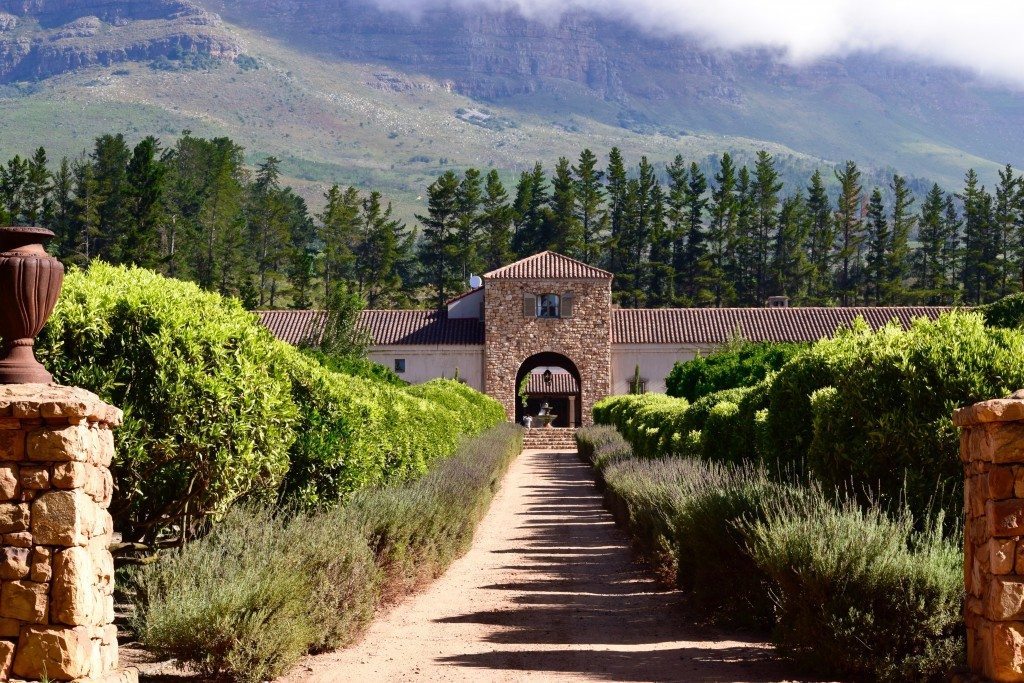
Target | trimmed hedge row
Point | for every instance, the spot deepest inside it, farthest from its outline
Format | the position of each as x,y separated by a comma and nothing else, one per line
217,410
741,364
869,407
849,590
265,587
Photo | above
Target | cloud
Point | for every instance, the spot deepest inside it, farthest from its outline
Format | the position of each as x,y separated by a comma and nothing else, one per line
984,36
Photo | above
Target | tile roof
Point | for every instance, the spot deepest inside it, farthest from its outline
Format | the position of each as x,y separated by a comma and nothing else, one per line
719,325
548,265
294,327
389,328
561,383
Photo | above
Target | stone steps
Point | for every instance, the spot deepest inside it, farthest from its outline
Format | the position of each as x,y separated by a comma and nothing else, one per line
543,438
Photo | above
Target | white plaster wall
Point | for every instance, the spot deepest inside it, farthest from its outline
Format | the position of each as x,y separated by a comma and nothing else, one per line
655,361
424,363
469,306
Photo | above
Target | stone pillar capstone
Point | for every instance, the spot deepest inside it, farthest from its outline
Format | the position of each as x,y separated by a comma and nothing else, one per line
56,570
992,451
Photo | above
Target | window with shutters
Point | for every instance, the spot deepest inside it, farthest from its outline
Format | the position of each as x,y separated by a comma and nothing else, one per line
548,306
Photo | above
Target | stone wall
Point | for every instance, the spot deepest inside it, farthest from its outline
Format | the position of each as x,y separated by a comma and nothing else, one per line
992,451
56,571
512,336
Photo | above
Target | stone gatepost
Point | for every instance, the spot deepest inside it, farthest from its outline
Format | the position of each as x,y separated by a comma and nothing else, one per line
992,451
56,571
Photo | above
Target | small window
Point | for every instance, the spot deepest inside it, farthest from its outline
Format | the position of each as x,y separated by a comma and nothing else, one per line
547,306
399,365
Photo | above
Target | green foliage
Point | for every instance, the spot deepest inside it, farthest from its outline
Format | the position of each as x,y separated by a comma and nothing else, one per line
741,364
861,591
208,412
263,588
601,446
355,366
216,409
1007,312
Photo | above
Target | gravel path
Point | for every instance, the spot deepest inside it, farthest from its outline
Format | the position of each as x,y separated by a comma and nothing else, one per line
548,592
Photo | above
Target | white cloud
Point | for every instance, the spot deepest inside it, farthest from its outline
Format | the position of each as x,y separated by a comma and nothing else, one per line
986,36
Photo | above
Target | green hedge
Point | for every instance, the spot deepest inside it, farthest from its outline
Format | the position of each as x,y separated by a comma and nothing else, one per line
741,364
265,587
217,410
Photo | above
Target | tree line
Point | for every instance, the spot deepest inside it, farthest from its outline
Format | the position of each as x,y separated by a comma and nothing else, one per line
673,235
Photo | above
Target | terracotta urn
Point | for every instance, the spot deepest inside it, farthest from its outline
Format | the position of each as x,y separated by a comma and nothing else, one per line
30,282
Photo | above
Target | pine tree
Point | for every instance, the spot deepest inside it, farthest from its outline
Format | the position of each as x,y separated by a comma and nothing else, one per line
13,182
532,216
110,169
379,254
86,226
821,242
981,244
496,224
589,202
468,201
953,252
661,281
145,195
740,269
1007,226
765,189
724,210
567,231
877,244
928,268
62,210
618,198
37,189
849,228
903,224
438,248
790,266
219,251
269,218
339,232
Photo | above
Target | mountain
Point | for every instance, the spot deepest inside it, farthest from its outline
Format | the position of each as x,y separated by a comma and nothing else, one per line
345,91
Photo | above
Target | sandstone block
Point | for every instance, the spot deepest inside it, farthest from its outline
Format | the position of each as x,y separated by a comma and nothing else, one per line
41,569
24,600
76,443
14,563
74,596
12,444
1005,518
14,517
108,634
6,658
1003,443
103,564
1000,482
9,628
1018,482
60,654
70,475
63,518
22,539
1002,555
108,657
105,449
8,481
34,478
99,484
1003,651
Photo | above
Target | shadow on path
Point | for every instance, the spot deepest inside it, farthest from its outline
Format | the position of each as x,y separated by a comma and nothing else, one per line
581,606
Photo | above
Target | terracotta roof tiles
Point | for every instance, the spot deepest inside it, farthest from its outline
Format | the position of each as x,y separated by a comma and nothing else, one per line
719,325
391,328
548,265
561,383
294,327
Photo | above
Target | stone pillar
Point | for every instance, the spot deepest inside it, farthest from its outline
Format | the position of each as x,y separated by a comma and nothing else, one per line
572,412
992,451
56,571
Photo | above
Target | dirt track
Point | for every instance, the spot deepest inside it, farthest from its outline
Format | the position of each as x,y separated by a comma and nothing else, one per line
548,592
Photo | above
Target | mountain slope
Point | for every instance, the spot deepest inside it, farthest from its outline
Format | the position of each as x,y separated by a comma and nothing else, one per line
344,92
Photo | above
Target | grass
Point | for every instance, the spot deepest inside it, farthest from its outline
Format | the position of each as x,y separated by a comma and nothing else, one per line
267,586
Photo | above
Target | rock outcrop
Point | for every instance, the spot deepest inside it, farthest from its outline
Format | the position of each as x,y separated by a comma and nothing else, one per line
43,38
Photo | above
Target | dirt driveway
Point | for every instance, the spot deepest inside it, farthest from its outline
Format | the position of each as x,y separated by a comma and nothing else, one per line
548,592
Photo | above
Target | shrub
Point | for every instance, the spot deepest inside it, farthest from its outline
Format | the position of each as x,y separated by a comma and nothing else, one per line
217,410
264,587
684,516
208,415
740,364
1007,312
860,592
356,366
888,419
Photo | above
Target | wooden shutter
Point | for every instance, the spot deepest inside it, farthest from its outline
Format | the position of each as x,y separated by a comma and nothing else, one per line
529,306
567,301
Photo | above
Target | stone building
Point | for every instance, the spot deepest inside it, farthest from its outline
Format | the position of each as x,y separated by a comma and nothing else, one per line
548,323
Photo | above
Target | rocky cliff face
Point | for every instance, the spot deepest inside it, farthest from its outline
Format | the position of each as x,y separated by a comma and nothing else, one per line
42,38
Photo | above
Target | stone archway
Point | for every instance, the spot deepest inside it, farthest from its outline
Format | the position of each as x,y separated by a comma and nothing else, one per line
564,397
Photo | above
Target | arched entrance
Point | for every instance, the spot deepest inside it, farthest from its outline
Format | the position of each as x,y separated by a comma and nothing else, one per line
555,380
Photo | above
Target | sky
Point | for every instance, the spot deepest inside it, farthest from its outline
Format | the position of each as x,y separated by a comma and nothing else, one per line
984,36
